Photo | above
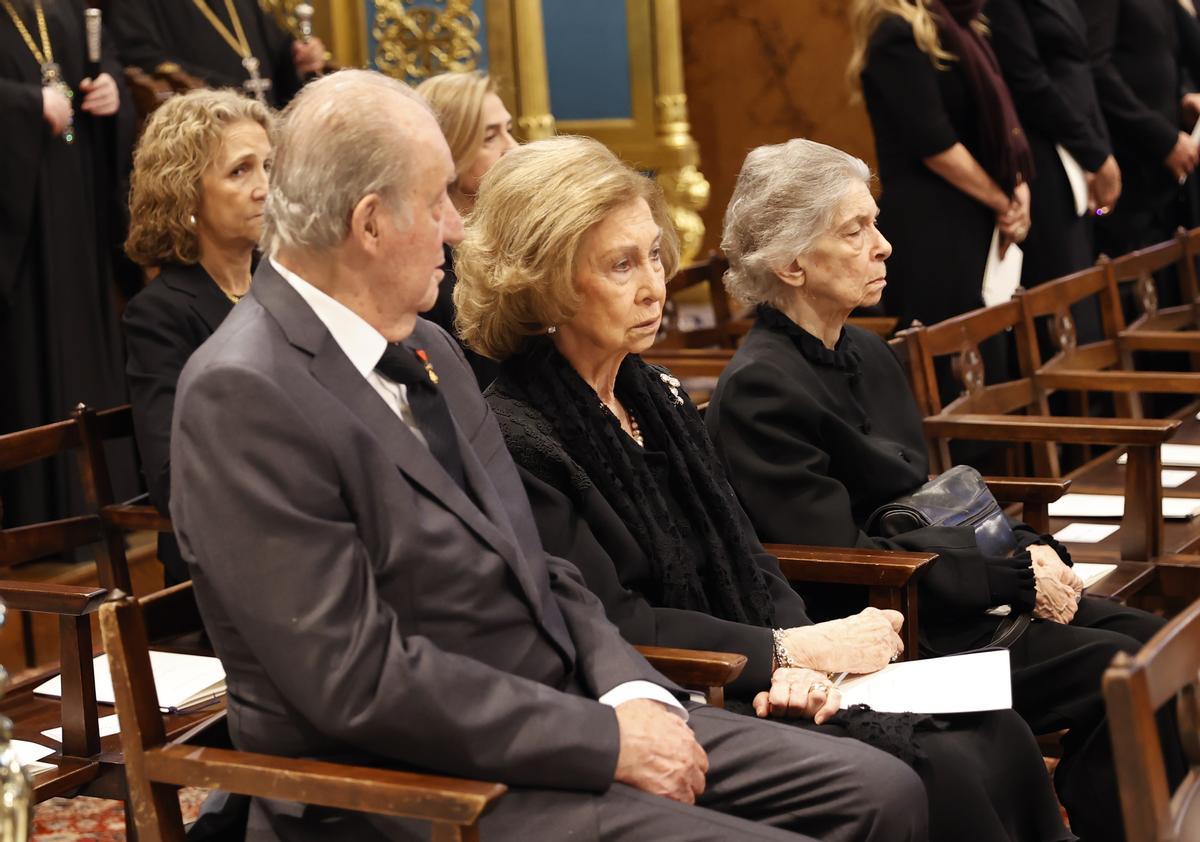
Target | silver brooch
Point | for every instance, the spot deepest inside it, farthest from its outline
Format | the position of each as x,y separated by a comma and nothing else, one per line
673,384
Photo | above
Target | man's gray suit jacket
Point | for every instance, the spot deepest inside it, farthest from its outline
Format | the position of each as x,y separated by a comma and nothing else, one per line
365,608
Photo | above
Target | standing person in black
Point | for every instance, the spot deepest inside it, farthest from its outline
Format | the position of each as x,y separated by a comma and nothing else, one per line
478,129
1043,50
218,41
817,428
59,154
952,156
1138,50
196,203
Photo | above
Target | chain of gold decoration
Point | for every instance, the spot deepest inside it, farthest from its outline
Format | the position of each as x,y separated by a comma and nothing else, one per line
51,72
239,44
416,43
255,85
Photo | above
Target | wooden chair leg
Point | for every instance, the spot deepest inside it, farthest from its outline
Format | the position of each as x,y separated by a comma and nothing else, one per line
81,733
444,832
903,600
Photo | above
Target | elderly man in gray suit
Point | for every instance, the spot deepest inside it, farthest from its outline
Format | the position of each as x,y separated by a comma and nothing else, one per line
368,568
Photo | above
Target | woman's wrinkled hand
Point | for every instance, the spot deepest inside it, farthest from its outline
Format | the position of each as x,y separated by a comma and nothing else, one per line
1055,601
798,693
1047,563
865,642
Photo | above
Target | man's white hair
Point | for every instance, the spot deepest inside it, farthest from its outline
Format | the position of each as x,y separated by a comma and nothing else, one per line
343,137
786,197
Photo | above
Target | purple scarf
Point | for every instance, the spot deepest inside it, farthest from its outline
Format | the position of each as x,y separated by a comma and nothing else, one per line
1003,149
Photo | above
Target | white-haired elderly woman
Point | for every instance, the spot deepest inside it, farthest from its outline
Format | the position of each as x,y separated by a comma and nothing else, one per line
815,424
562,277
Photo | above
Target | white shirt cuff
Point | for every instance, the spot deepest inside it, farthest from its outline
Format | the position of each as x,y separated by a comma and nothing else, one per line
631,690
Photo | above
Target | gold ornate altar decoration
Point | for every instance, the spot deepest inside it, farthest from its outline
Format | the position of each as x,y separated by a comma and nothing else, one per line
418,38
657,136
416,41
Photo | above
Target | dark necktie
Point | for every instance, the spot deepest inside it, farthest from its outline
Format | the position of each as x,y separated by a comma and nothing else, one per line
401,364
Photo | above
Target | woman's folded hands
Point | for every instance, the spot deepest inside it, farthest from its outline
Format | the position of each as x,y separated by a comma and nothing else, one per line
1059,588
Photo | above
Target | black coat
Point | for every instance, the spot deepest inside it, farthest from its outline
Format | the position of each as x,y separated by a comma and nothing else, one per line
1043,51
815,442
1138,48
577,522
918,111
442,314
150,33
164,324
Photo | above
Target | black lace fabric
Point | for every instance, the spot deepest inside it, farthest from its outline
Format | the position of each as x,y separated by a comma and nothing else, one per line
899,734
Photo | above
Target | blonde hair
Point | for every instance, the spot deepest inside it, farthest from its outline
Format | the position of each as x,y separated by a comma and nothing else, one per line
457,102
340,139
865,17
181,139
516,267
786,196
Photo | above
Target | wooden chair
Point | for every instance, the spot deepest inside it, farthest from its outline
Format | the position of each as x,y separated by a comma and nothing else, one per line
1100,366
1017,412
1135,687
1158,328
156,767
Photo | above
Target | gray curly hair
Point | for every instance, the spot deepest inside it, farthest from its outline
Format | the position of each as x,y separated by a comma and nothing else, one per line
785,197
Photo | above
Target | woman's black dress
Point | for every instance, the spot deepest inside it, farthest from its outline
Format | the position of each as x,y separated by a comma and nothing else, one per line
815,440
939,234
984,774
164,324
1043,51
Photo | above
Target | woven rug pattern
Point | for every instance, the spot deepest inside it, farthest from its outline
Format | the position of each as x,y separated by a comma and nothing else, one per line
96,819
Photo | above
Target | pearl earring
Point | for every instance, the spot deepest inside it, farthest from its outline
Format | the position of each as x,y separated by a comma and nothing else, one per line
192,219
553,329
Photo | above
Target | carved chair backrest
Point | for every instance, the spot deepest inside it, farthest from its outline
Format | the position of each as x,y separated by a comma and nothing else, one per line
953,346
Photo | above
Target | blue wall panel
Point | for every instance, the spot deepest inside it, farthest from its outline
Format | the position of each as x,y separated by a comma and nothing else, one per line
587,57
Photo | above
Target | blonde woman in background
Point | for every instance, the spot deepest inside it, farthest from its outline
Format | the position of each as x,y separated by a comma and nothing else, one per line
478,130
953,160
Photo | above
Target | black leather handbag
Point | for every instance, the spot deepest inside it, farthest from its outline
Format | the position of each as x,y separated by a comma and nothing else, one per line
958,497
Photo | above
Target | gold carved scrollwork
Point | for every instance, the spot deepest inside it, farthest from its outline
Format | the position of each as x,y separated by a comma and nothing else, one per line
686,191
1146,293
284,12
416,42
684,186
968,369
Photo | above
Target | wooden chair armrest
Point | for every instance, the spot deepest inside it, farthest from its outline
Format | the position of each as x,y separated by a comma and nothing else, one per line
1166,382
1069,430
48,598
383,791
135,517
1027,490
1159,340
695,668
849,566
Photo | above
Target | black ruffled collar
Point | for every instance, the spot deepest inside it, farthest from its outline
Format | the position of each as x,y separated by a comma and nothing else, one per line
844,356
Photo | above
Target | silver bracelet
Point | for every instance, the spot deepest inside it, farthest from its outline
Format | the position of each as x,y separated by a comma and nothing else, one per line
779,651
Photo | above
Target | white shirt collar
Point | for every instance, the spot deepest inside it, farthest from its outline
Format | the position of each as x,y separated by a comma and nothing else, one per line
363,344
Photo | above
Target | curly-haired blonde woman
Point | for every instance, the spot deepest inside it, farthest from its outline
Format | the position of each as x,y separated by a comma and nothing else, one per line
196,206
478,130
953,159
